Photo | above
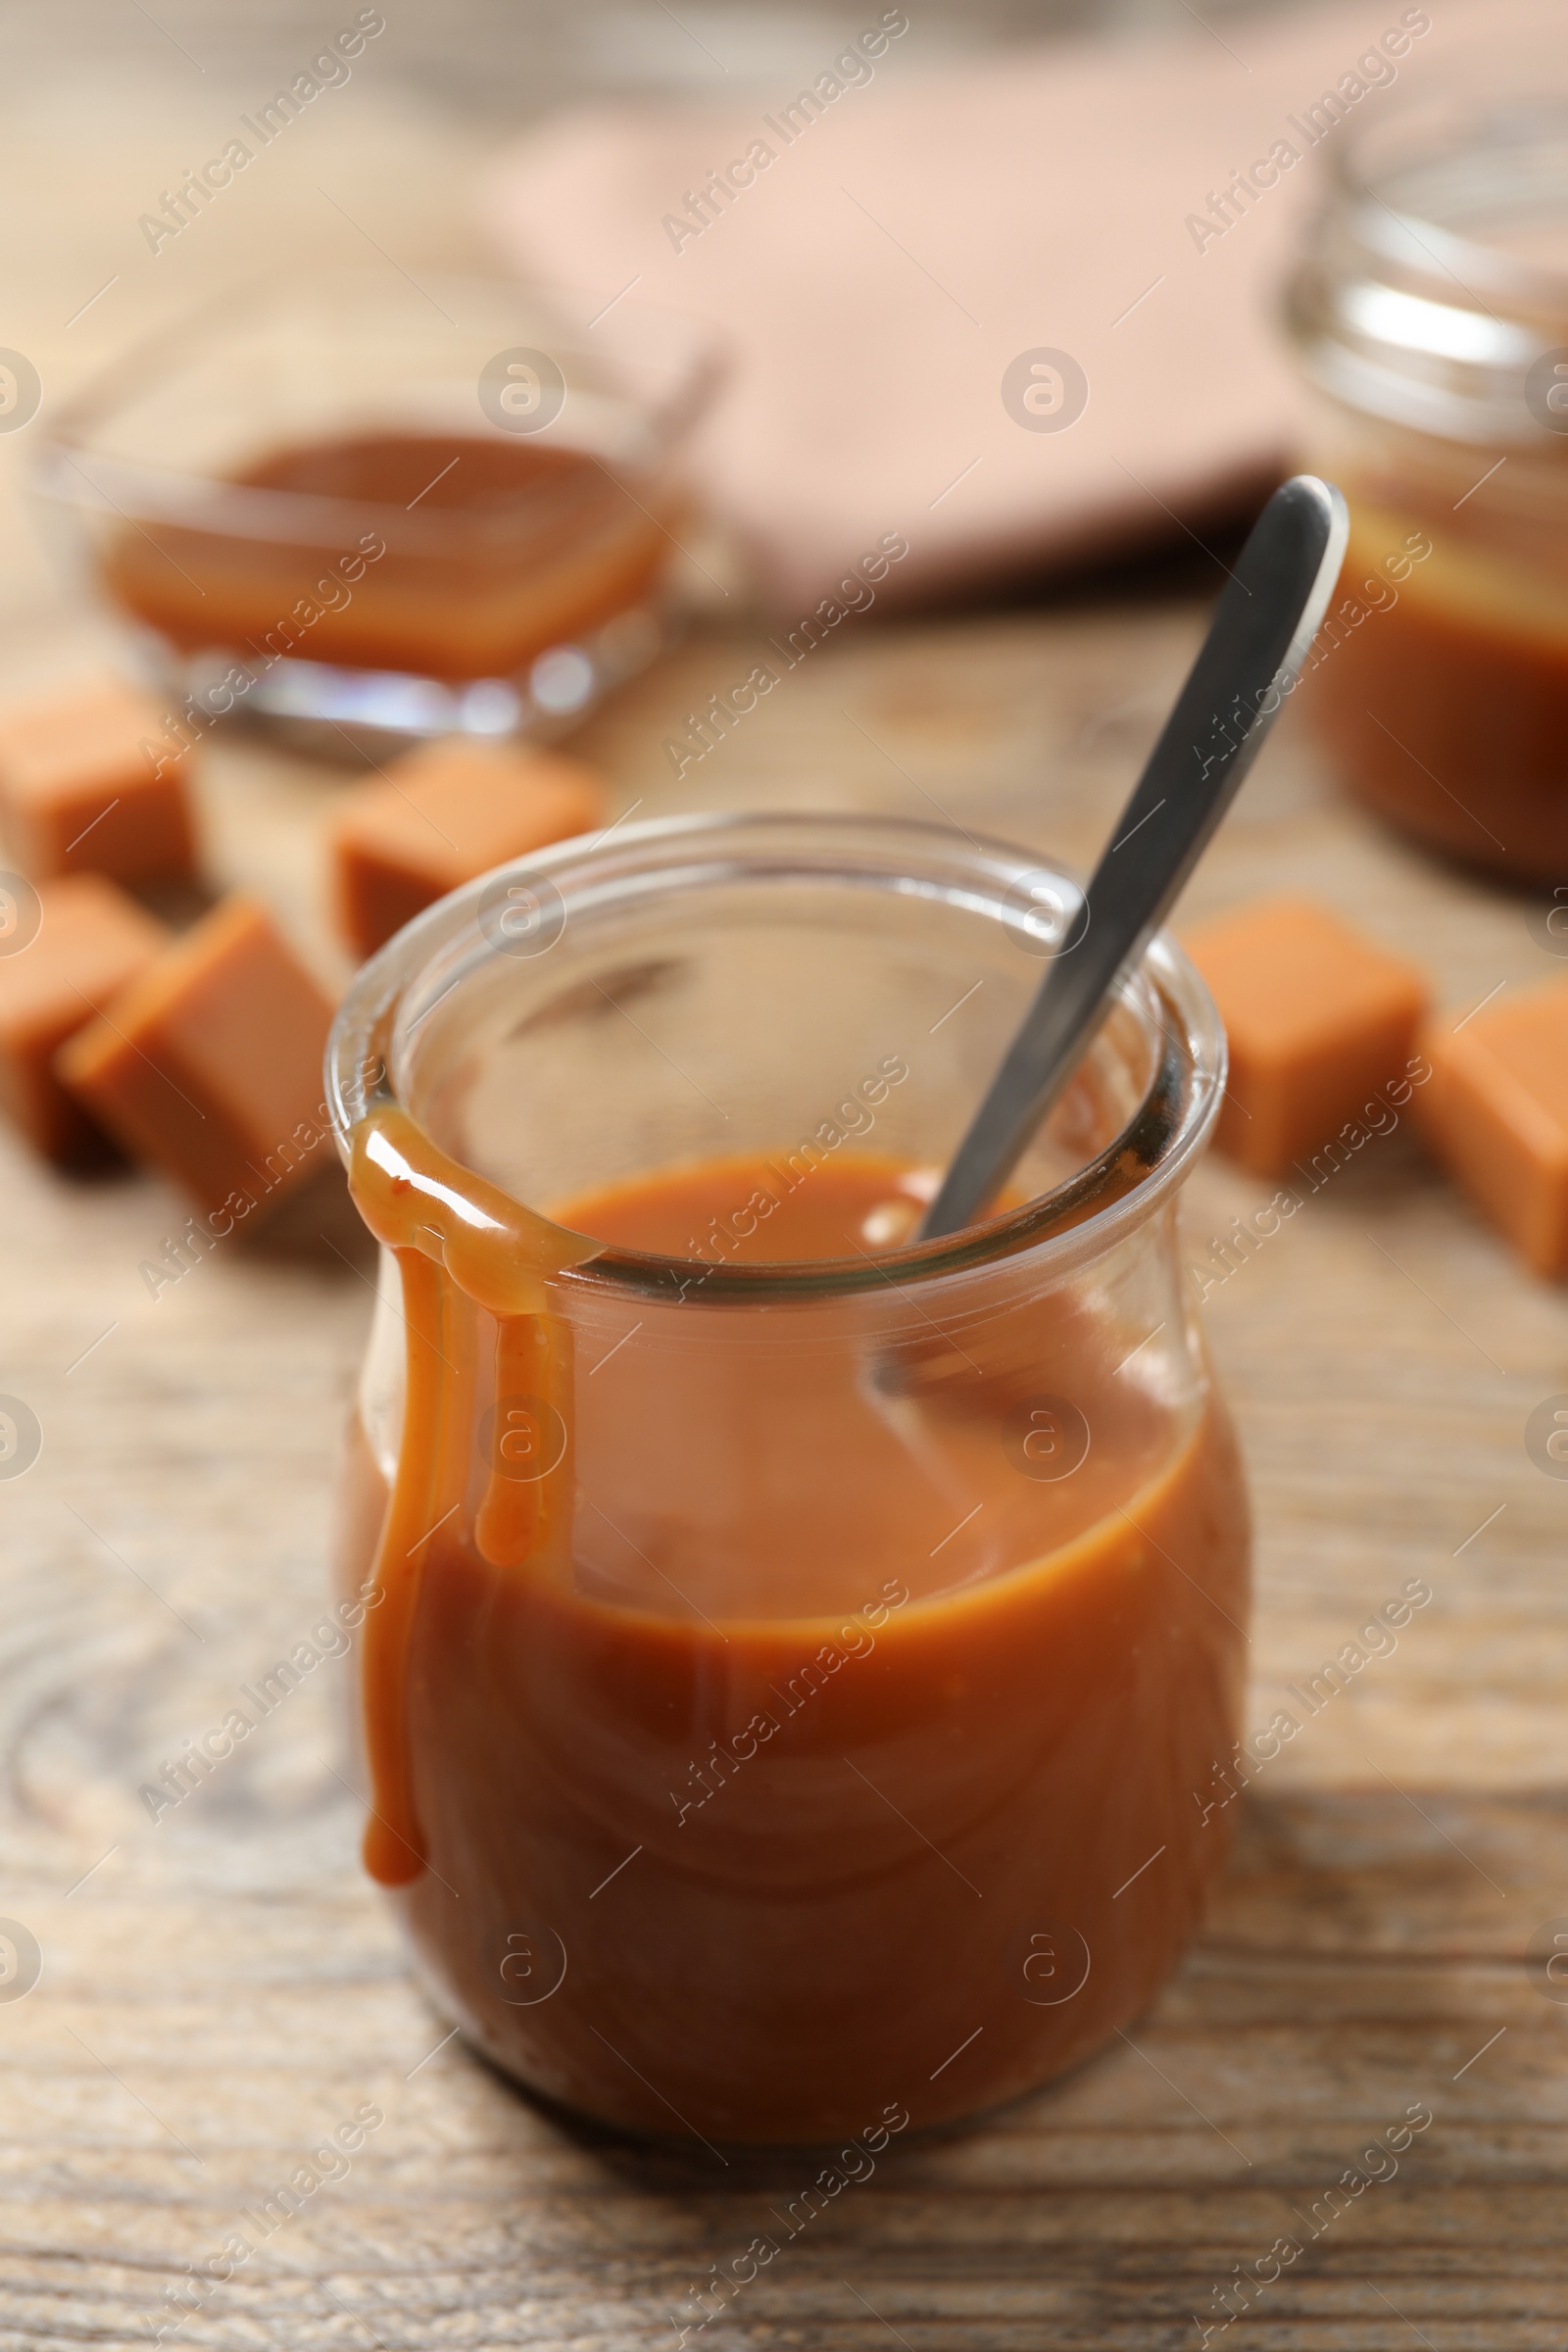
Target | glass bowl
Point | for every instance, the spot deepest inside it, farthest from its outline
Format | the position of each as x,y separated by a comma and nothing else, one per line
362,511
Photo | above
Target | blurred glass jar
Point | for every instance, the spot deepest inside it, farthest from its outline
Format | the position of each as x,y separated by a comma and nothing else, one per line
360,510
1431,313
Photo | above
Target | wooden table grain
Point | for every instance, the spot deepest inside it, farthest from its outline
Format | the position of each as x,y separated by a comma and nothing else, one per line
221,1989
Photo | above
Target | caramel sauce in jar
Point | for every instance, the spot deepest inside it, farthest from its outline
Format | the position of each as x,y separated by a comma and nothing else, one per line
797,1659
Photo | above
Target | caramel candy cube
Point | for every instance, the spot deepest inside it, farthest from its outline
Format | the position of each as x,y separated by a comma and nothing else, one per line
91,940
89,783
1495,1113
1319,1018
442,815
210,1064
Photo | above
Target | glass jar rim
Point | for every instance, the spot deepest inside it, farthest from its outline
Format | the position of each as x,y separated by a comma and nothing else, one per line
1076,1219
1400,307
1361,184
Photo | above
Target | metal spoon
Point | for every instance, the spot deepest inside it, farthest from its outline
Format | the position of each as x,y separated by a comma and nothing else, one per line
1265,622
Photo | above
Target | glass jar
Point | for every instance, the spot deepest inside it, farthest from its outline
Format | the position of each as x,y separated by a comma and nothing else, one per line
1431,313
793,1692
360,511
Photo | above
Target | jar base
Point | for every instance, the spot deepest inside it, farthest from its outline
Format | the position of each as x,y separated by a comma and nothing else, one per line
641,2151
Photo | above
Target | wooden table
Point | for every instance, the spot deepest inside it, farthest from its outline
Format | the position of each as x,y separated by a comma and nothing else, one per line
220,1988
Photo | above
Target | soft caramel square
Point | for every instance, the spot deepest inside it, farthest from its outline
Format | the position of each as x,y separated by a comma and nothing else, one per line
89,943
1495,1113
209,1065
1319,1018
440,816
89,784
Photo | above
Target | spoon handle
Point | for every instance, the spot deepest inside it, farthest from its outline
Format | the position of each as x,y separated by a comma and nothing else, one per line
1266,618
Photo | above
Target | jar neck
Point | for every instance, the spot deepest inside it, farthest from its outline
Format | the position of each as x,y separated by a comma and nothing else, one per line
403,1021
1435,279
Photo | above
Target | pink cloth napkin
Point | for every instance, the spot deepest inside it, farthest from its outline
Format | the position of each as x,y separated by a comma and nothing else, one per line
922,271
